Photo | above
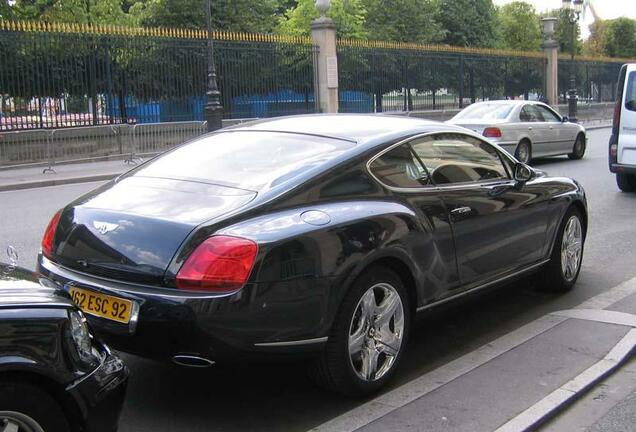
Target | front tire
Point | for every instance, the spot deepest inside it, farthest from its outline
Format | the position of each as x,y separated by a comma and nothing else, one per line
368,336
29,409
562,271
579,148
524,151
626,182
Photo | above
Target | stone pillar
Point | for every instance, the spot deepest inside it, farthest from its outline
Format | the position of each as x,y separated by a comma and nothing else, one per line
323,33
550,46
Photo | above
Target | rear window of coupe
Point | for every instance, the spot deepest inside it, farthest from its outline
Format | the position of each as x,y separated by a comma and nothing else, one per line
246,160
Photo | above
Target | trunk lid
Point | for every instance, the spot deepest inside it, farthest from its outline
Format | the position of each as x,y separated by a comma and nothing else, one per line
130,230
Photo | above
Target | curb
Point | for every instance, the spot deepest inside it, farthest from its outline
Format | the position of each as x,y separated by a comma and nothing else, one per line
57,182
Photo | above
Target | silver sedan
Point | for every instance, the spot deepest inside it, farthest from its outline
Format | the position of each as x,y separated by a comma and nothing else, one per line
526,129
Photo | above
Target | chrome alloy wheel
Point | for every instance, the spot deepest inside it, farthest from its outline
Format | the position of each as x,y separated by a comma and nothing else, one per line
376,332
571,248
11,421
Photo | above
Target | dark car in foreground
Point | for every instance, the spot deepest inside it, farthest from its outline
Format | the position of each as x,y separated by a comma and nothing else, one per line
322,235
54,376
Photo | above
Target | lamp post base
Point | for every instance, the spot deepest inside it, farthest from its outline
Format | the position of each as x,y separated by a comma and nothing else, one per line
214,117
572,101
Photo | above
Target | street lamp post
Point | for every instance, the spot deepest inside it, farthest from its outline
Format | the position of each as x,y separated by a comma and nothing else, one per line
213,107
573,10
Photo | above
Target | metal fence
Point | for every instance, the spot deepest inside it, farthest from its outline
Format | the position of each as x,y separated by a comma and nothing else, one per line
595,80
386,77
56,76
129,142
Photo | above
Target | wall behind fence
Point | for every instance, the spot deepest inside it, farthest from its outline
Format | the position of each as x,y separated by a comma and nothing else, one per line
55,76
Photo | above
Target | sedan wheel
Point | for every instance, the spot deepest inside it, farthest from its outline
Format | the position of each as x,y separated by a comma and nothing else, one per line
368,336
18,422
579,148
375,335
561,272
524,152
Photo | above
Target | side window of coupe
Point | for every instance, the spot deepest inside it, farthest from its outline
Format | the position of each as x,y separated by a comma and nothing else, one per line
457,158
399,168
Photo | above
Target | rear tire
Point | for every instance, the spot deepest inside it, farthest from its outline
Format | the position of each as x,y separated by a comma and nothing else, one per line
562,271
579,148
366,345
626,182
523,153
30,408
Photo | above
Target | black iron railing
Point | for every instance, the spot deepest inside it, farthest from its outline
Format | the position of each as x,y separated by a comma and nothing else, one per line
55,76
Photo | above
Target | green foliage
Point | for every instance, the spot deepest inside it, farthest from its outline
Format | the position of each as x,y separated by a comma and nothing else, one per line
403,21
468,23
596,42
72,11
621,38
520,27
234,15
6,11
349,16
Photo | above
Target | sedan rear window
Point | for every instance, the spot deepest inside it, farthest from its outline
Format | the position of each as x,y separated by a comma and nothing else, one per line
485,111
246,160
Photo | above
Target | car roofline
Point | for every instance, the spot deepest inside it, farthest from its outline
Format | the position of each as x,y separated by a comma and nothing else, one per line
333,137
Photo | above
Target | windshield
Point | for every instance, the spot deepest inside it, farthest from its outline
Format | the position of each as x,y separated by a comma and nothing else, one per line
485,111
246,160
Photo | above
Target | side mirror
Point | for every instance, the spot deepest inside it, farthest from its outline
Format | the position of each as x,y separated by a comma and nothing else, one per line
523,173
565,119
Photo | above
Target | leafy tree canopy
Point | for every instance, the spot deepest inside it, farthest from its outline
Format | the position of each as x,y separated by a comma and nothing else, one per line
234,15
469,23
621,38
403,21
72,11
349,16
520,27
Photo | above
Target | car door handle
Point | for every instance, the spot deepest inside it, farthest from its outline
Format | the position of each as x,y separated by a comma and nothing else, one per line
529,127
461,211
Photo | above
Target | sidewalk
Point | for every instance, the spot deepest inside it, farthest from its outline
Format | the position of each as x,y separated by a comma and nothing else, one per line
33,176
36,176
519,381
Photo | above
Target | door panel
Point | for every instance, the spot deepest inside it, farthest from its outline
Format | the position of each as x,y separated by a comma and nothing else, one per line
627,132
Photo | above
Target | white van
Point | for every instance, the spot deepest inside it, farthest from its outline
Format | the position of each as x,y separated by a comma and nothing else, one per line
622,144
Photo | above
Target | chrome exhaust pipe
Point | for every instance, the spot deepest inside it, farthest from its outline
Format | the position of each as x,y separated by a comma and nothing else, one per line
190,360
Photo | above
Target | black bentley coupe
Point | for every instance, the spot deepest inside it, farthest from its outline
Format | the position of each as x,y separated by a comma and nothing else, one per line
319,234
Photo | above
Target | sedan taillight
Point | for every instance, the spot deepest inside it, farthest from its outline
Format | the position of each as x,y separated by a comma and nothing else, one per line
219,264
492,132
49,235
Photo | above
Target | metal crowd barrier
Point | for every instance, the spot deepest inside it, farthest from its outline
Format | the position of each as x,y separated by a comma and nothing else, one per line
50,147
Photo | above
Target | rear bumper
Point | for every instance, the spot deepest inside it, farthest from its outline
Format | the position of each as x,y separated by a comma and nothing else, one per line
623,169
258,320
100,394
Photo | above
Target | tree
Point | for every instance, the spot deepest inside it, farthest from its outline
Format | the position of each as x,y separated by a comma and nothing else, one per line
349,16
469,23
72,11
403,21
621,38
596,43
520,29
6,12
233,15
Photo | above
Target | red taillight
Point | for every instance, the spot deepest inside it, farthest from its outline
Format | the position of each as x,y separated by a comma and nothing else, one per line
219,264
492,132
617,116
49,235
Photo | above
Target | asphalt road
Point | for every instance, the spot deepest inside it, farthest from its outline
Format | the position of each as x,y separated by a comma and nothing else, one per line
278,397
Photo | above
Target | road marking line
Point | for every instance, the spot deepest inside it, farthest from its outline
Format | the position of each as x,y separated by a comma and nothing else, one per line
390,401
539,412
602,315
370,411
